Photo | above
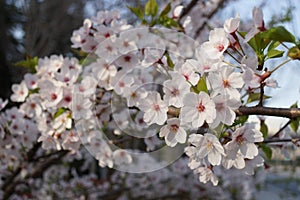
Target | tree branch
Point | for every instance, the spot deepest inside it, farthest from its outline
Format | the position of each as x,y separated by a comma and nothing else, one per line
9,188
219,5
269,111
187,9
290,113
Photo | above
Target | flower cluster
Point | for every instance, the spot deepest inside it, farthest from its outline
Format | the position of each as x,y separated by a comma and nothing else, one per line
141,82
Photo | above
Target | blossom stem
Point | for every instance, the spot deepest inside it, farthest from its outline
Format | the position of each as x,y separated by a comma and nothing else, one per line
261,96
234,58
281,129
280,65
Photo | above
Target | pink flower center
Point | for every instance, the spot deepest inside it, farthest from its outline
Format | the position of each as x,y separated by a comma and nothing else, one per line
68,99
240,139
109,48
226,83
32,105
53,96
126,44
121,84
200,107
174,127
175,92
106,35
220,47
186,76
156,107
127,58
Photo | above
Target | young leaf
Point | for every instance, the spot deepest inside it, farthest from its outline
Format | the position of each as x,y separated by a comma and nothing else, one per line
166,10
151,8
273,45
169,61
59,112
138,11
29,63
295,122
267,150
201,86
263,128
240,120
255,97
279,34
273,53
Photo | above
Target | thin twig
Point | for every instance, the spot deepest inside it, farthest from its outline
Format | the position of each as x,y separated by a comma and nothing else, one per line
187,9
293,140
281,129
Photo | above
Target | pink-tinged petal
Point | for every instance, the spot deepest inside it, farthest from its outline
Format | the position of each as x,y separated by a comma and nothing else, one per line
170,139
202,152
249,150
198,121
149,117
214,157
239,163
161,117
164,131
236,80
181,135
190,99
188,114
214,180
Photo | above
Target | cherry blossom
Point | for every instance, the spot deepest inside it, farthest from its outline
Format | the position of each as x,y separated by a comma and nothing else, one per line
206,145
173,132
232,24
155,109
226,82
121,157
243,140
188,72
175,89
197,109
31,81
20,92
258,24
206,174
225,107
217,44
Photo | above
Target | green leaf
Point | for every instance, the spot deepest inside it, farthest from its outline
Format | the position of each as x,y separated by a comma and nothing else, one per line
138,11
255,97
295,122
273,45
240,120
169,61
263,128
267,150
166,10
201,86
259,43
29,63
278,34
59,112
168,22
275,53
151,8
